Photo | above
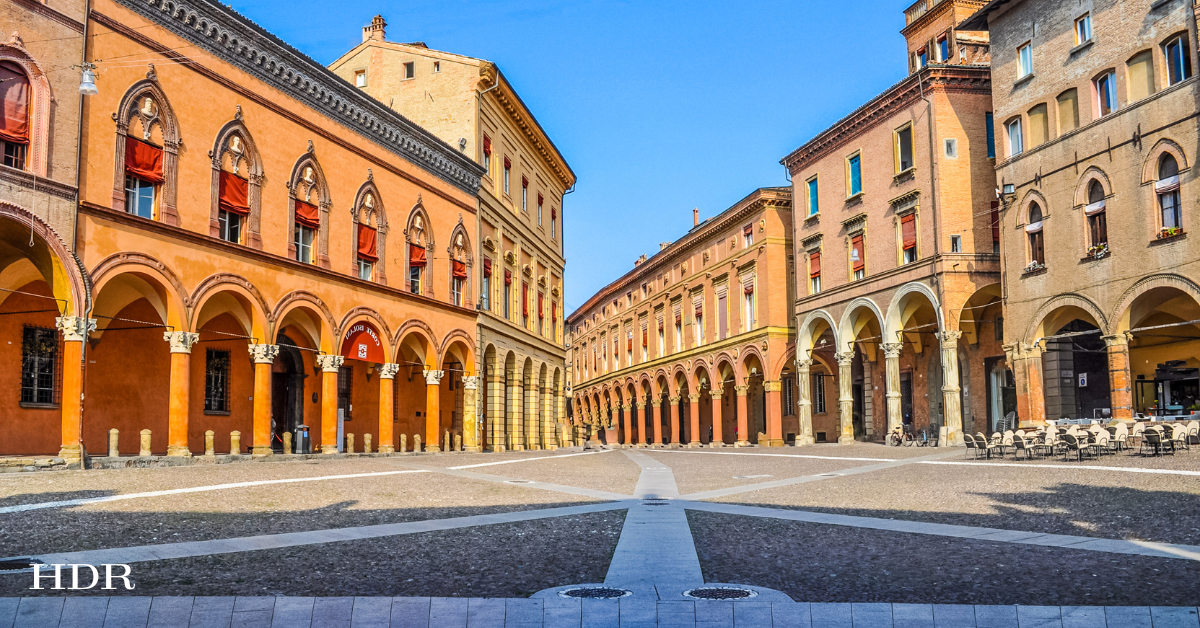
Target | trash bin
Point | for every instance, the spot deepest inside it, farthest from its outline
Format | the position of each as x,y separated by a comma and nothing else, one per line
303,444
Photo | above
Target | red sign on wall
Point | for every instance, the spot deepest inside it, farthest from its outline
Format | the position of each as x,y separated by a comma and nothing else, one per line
361,342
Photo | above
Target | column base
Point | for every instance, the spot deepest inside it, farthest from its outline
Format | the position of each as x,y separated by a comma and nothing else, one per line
742,443
179,450
846,440
552,448
518,448
432,449
498,449
694,445
473,450
802,441
387,449
71,453
257,452
329,449
716,444
775,442
948,438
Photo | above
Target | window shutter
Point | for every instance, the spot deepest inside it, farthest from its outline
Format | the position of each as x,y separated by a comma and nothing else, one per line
908,230
814,264
306,215
143,160
233,193
508,277
856,244
541,298
367,243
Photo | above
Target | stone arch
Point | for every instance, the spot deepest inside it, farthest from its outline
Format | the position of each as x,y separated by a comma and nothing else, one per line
368,210
850,327
251,309
320,324
235,142
40,98
418,338
1077,301
904,306
307,184
459,344
815,324
146,103
1032,196
1118,322
782,361
1154,155
747,352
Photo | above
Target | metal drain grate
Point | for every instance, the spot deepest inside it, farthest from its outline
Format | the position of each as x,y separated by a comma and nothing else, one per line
19,563
596,593
720,593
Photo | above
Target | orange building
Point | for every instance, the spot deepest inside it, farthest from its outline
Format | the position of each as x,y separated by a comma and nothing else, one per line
235,208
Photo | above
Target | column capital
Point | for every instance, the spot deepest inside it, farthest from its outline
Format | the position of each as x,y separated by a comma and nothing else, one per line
388,371
181,341
674,398
75,328
266,354
433,378
694,397
892,349
470,382
641,405
716,394
329,363
741,390
949,337
1116,340
803,363
773,386
626,407
656,403
844,359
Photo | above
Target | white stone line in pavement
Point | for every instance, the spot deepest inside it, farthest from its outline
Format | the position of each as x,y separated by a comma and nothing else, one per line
746,453
195,489
492,464
758,486
523,483
315,537
1066,467
1066,541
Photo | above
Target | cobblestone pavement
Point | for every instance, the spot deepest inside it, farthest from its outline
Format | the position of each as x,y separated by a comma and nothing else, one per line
850,529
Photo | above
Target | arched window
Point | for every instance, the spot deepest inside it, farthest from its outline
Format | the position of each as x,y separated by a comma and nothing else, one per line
236,191
370,229
459,259
308,194
420,244
1167,189
1097,220
14,126
1037,248
147,154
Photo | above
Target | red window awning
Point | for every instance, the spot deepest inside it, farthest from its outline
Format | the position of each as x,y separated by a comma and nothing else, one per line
524,299
814,264
144,161
234,194
541,297
416,255
508,277
487,267
908,230
14,91
458,269
367,243
856,244
306,214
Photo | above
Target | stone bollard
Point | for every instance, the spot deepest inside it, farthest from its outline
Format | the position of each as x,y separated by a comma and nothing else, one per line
366,443
448,442
458,442
349,443
404,443
114,437
416,443
235,443
145,448
209,448
287,443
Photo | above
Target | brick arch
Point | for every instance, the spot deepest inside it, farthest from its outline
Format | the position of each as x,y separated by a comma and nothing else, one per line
1144,285
1064,300
1093,173
1161,147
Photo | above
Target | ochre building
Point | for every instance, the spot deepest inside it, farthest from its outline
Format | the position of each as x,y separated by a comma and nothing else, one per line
898,268
1097,132
517,263
693,346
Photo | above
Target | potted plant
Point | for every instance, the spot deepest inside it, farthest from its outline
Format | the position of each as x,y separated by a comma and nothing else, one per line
1169,232
1034,265
1098,251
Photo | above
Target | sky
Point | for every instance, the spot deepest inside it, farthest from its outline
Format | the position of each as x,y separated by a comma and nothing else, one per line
659,106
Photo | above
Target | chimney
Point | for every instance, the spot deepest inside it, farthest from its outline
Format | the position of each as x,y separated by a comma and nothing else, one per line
375,30
639,261
663,245
696,217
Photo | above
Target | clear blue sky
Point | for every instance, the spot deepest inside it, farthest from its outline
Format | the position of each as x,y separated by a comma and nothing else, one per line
659,106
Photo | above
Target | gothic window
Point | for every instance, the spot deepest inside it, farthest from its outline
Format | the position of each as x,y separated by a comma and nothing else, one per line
1037,245
1167,189
1096,215
370,234
420,244
237,186
14,125
147,154
309,197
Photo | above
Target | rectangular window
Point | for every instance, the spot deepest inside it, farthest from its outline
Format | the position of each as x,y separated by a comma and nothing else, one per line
995,227
903,142
990,123
229,226
678,333
14,155
345,390
1098,228
410,69
524,195
858,262
814,272
456,284
922,57
1141,76
366,269
749,319
1179,60
818,393
951,145
507,174
723,312
943,48
1024,61
437,66
1168,202
1039,126
414,279
139,197
216,381
554,223
539,209
1016,141
1106,94
1068,111
908,238
814,200
507,300
748,236
1037,249
485,293
360,78
661,339
40,365
303,239
854,175
956,244
487,156
1083,29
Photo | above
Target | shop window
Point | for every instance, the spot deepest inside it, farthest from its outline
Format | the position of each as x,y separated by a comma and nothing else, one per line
216,381
41,365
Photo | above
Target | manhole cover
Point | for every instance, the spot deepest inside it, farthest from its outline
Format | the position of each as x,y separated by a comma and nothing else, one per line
19,564
720,593
596,593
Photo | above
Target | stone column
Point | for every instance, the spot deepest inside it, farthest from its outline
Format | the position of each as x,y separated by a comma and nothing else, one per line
676,428
264,357
549,420
593,426
845,397
743,417
774,411
952,400
516,393
387,410
656,403
608,416
74,331
891,358
433,413
804,383
1026,364
177,411
627,423
718,438
694,419
642,424
470,420
496,411
532,414
1120,381
329,365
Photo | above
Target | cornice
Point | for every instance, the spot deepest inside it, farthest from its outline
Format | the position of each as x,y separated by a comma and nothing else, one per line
510,102
41,9
948,78
762,198
232,37
944,6
39,184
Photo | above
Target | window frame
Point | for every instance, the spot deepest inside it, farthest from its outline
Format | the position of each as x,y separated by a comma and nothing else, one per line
813,186
1186,58
853,169
1108,79
898,148
229,226
133,196
1084,21
41,371
410,70
1019,149
213,379
360,78
301,247
1025,60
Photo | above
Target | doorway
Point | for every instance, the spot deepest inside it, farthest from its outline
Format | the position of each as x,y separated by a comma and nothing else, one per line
906,398
287,391
1001,394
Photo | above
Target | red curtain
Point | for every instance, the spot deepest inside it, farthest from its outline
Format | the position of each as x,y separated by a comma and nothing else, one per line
908,229
487,146
699,310
487,267
366,243
814,264
524,299
630,344
645,339
508,277
306,214
748,230
458,269
553,213
748,288
234,194
143,160
507,163
540,298
856,245
14,91
554,310
678,320
416,255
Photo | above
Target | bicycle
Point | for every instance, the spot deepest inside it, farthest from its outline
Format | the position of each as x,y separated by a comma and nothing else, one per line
901,436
